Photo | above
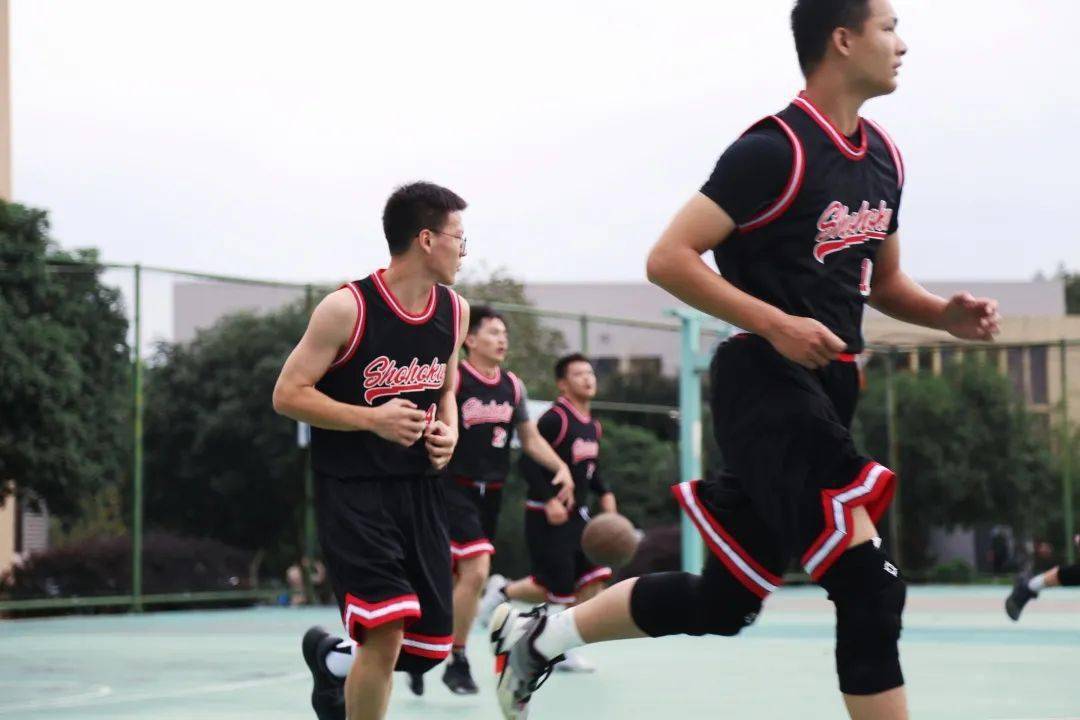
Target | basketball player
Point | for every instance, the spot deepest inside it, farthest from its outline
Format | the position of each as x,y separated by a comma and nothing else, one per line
562,575
492,403
374,375
801,213
1027,588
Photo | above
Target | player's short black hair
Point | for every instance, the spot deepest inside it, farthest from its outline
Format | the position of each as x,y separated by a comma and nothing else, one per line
566,361
479,313
415,207
813,22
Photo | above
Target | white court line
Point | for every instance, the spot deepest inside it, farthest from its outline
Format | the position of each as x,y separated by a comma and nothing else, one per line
113,699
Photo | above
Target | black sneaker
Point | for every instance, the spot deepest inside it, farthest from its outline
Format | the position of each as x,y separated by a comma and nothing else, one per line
1019,597
458,678
328,693
416,683
521,670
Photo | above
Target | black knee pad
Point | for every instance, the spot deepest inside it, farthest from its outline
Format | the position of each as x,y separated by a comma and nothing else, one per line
675,603
1069,575
869,595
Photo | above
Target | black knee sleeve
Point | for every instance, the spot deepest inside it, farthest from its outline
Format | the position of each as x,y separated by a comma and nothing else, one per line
869,596
674,603
1069,575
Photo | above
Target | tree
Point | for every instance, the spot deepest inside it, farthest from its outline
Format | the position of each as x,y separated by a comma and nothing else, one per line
219,462
64,368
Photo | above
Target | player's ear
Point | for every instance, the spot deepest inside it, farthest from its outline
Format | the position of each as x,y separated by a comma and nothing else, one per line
841,40
426,240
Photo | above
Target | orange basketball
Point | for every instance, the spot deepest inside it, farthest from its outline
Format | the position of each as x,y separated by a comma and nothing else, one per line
609,539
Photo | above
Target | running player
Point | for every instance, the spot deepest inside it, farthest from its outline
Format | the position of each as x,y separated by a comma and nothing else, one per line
492,403
374,375
1027,588
801,213
561,573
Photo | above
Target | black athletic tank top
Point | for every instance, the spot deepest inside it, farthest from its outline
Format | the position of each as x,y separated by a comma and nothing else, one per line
390,354
576,439
811,252
486,409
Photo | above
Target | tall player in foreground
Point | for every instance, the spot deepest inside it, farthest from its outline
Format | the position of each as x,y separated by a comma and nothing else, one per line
374,375
801,212
492,404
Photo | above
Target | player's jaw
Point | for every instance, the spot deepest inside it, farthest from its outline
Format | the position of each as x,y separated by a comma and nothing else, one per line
447,249
878,51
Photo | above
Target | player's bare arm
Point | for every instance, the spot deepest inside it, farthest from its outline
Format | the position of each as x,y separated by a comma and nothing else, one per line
676,265
536,447
608,503
296,396
894,293
441,435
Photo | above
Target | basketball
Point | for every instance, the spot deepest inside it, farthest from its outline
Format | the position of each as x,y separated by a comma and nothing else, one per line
609,539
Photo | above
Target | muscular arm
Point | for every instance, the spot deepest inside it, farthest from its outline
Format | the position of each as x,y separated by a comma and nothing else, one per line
536,447
295,395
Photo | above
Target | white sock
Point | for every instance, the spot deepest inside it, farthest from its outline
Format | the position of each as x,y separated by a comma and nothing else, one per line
340,659
559,635
1037,583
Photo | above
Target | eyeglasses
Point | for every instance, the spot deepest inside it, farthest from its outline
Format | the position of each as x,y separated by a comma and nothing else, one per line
461,238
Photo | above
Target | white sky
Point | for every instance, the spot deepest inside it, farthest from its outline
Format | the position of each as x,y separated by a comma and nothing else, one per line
262,138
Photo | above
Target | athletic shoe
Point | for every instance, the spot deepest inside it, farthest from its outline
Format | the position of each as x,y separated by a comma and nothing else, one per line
1019,597
416,683
575,663
520,668
492,598
458,678
328,693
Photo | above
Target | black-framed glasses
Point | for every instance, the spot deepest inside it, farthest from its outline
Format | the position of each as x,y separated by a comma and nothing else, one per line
461,238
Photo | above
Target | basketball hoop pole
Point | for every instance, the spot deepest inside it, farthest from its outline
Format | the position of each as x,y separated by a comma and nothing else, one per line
692,363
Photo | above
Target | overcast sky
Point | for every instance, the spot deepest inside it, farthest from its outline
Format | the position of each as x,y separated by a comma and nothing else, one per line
262,138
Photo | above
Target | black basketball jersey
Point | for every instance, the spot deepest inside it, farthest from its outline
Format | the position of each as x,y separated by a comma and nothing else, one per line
576,439
487,409
811,252
390,354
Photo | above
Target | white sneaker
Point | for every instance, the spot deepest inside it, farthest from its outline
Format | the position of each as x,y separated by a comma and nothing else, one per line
574,662
491,599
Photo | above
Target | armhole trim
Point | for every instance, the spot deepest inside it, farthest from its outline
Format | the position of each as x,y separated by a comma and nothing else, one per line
565,425
791,189
517,387
894,151
456,304
358,327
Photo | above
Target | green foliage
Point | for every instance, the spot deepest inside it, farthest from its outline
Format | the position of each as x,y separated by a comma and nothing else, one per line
64,368
219,462
1072,289
956,572
533,347
968,453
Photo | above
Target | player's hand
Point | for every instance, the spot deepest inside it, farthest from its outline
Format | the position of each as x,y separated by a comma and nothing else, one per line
565,484
806,341
398,421
440,440
971,318
556,512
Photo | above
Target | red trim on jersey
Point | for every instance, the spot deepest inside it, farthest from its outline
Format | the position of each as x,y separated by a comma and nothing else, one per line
599,429
517,387
842,143
456,302
753,576
570,406
435,647
873,487
595,575
392,302
898,159
491,381
358,327
565,424
791,189
845,358
475,548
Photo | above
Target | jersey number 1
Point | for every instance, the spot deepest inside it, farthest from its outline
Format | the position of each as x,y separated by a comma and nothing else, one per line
864,279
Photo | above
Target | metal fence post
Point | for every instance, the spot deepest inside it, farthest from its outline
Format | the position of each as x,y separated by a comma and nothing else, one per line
307,565
137,459
583,329
1066,457
893,436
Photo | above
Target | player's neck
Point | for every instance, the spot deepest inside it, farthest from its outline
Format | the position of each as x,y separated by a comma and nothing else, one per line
409,282
841,105
486,367
582,405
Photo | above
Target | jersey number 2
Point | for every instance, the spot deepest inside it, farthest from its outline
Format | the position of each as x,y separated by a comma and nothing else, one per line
864,278
498,436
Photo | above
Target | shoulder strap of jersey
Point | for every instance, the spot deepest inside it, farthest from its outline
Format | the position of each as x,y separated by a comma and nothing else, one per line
455,304
517,387
349,349
794,181
894,151
565,424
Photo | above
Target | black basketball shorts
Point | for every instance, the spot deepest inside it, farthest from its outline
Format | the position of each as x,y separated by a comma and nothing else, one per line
472,509
558,563
792,473
388,555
